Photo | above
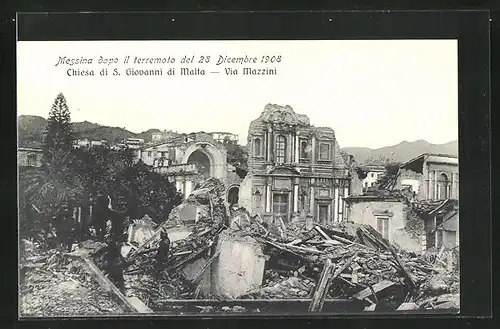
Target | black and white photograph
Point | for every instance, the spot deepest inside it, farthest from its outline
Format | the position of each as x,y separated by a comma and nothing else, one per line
179,177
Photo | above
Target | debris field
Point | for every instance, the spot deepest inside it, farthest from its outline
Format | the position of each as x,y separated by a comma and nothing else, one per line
228,261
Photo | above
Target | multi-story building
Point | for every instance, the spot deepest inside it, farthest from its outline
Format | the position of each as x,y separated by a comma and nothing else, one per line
428,217
134,143
188,159
373,175
85,143
221,137
430,176
294,168
163,136
29,157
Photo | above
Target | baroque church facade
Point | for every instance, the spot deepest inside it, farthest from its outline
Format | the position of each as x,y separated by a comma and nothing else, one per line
295,168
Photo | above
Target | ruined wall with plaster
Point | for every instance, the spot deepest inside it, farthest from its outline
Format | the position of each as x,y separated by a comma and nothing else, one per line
356,183
367,212
239,267
416,180
245,194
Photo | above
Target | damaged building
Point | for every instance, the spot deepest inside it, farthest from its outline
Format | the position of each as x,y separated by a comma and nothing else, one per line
418,211
189,159
294,168
413,226
430,176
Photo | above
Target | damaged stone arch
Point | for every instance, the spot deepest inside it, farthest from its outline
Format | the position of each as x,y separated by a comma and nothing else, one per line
208,157
232,194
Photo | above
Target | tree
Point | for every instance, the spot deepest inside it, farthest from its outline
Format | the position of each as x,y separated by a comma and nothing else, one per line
141,191
47,189
133,187
236,154
59,134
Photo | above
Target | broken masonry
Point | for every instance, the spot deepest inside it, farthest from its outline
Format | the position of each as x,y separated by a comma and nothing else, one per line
218,262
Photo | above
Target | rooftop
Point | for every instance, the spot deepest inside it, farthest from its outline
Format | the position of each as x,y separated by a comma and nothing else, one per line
417,162
29,149
430,207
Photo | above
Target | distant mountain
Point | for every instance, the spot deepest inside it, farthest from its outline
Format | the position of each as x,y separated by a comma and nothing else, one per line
31,130
147,135
401,152
84,126
110,134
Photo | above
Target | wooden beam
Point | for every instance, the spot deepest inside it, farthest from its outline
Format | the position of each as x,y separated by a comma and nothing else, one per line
109,286
322,233
321,288
376,288
318,305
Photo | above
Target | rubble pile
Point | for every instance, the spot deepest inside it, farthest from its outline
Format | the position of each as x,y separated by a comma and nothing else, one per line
365,260
72,291
240,258
172,284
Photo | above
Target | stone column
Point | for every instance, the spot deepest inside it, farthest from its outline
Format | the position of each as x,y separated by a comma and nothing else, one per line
454,185
297,147
288,155
313,150
295,197
189,187
268,197
311,199
263,150
435,185
289,205
269,143
429,185
336,207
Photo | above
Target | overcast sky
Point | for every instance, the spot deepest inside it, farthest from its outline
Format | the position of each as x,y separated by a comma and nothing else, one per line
372,93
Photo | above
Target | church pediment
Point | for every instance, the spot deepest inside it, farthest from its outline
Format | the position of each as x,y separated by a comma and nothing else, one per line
283,115
283,171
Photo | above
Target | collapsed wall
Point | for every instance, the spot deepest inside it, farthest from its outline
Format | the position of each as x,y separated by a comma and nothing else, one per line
240,266
207,201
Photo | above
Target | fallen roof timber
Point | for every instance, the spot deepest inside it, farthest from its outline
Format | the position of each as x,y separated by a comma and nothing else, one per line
133,305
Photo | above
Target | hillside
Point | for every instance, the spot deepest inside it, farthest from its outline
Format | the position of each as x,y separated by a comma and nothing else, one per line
31,134
31,130
401,152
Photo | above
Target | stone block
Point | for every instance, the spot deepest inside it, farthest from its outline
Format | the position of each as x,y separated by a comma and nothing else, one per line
178,233
240,266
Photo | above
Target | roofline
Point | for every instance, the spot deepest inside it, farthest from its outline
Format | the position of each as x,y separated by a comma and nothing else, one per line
35,149
427,155
374,197
223,132
441,206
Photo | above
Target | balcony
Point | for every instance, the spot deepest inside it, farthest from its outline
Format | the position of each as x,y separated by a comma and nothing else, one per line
178,169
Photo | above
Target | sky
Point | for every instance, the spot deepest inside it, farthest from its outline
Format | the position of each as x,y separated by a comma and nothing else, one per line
372,93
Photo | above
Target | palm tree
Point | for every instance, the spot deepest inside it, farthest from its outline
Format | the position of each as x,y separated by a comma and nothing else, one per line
52,185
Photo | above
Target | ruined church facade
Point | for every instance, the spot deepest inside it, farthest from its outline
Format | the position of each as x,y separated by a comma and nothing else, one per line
188,160
295,168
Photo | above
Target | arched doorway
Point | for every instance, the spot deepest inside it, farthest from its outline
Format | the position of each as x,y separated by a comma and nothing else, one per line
202,162
232,195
